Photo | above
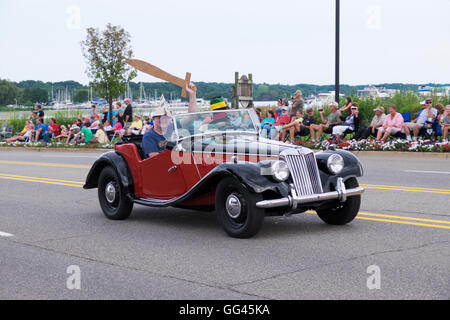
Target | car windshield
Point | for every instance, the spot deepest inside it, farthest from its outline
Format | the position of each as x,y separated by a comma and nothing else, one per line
243,121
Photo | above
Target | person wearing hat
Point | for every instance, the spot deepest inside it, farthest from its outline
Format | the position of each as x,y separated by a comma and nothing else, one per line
136,125
154,140
377,122
427,114
217,104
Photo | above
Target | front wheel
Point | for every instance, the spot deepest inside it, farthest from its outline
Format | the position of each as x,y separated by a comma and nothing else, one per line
347,211
236,209
112,197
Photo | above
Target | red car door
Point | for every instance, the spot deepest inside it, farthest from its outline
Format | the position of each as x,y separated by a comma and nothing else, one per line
161,178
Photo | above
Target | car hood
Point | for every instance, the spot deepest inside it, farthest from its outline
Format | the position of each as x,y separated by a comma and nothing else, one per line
245,145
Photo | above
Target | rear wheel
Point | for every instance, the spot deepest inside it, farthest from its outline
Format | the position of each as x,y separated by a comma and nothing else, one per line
236,209
347,211
112,197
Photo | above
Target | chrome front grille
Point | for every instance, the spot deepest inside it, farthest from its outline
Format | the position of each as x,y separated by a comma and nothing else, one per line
305,173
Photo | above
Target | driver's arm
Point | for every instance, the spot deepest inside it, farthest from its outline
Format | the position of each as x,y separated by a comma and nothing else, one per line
190,88
152,154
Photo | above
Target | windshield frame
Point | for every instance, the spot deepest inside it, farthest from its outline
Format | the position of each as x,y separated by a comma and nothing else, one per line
252,116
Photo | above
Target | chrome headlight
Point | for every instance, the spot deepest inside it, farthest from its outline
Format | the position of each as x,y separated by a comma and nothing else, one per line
335,164
280,171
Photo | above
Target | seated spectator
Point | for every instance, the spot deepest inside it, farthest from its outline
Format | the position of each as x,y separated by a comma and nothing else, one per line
377,122
53,130
267,124
428,114
282,120
293,126
351,122
23,135
100,136
117,127
148,124
136,126
95,123
392,124
84,136
73,130
445,123
108,128
301,125
436,126
63,134
39,131
327,124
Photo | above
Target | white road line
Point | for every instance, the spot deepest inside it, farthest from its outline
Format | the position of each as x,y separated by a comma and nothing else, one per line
419,171
5,234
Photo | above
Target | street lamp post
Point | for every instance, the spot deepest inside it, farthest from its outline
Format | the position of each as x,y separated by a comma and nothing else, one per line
336,88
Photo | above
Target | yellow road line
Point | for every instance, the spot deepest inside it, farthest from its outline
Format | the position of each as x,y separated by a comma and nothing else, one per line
401,187
401,218
399,222
407,190
45,164
404,222
43,179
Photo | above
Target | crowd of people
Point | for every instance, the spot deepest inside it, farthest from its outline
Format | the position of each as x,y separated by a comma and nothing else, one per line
89,129
290,120
287,122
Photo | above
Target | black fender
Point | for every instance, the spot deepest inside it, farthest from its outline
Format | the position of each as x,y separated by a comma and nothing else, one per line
255,176
352,168
117,162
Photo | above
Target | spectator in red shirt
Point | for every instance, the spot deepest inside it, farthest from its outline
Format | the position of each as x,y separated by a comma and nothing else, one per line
282,120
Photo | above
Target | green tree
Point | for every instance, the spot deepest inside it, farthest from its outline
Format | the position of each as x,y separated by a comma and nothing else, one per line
105,52
81,95
35,95
8,92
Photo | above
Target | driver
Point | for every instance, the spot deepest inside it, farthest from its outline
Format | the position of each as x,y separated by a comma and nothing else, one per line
154,140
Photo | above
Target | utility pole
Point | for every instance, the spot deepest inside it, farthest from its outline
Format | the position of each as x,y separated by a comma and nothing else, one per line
336,88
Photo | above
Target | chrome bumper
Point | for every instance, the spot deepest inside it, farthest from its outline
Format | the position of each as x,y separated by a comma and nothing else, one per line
293,201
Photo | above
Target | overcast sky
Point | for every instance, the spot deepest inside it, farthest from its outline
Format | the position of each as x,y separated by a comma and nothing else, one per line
287,42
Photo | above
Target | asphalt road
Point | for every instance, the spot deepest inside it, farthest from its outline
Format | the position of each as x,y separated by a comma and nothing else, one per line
48,223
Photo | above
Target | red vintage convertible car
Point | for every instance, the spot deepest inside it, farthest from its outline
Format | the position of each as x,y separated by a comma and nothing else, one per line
226,166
